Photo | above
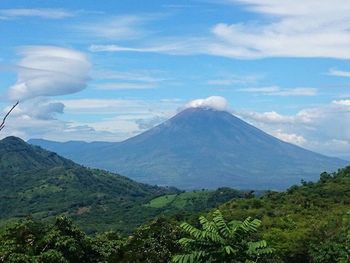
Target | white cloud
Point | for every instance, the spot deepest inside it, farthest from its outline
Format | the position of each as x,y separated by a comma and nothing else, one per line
116,119
139,76
48,13
128,107
288,8
125,85
132,80
296,92
104,105
277,91
290,137
339,73
127,117
228,80
319,128
285,29
170,46
41,109
45,72
27,128
213,102
270,117
342,102
266,90
117,27
49,71
307,30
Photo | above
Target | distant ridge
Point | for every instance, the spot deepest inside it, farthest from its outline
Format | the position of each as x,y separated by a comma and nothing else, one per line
203,148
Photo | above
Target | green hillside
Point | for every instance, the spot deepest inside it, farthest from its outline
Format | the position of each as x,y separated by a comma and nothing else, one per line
42,184
16,155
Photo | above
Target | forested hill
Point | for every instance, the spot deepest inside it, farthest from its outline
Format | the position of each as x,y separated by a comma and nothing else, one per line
43,184
16,155
307,223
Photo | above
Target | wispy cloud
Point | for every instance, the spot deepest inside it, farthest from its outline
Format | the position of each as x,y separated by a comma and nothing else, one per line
48,13
134,75
119,106
172,46
122,80
338,73
125,85
309,30
229,80
118,27
277,91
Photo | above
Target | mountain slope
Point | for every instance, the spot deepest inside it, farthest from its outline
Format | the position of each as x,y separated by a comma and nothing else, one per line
43,184
205,148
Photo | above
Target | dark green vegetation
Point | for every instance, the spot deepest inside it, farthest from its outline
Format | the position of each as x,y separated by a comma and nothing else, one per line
42,184
307,223
30,241
219,241
202,148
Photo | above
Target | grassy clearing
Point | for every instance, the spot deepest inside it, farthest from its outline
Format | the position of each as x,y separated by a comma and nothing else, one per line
179,201
161,201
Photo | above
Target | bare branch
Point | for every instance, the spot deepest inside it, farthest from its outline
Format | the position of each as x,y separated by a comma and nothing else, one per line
2,125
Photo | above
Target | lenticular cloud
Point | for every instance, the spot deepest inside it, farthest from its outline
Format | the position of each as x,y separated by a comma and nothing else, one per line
46,71
213,102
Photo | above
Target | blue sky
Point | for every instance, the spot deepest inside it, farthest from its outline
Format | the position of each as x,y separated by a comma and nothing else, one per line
107,70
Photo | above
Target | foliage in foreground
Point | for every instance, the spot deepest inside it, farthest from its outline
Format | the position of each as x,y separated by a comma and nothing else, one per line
33,242
219,241
62,242
306,223
309,223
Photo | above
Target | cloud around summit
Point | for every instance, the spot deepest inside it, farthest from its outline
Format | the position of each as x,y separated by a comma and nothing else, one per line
212,102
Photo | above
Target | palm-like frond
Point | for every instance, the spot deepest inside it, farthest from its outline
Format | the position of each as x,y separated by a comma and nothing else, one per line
193,257
220,223
219,241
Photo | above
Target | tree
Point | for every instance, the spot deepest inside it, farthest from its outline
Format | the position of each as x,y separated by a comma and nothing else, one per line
2,124
62,242
154,242
219,241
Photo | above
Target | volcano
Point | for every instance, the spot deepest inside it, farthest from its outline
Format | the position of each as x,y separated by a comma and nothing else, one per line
203,148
